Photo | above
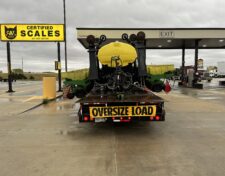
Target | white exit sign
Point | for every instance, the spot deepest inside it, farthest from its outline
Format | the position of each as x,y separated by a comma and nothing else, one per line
166,34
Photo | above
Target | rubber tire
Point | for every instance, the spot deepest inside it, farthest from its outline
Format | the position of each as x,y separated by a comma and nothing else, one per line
70,95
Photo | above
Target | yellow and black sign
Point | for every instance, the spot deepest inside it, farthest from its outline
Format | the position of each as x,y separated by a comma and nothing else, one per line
32,32
124,111
57,65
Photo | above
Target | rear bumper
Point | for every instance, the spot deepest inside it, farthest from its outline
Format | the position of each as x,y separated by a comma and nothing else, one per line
84,115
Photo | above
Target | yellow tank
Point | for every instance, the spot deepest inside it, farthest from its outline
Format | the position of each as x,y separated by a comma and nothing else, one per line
125,52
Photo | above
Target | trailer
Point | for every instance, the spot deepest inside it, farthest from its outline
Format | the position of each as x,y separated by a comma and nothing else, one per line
118,88
136,105
221,69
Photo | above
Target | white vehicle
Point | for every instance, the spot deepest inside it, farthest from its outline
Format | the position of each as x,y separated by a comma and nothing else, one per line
221,69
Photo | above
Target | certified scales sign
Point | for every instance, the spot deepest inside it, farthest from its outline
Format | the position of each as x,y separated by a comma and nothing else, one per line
32,32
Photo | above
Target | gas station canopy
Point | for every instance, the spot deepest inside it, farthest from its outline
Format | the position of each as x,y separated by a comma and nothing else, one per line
162,38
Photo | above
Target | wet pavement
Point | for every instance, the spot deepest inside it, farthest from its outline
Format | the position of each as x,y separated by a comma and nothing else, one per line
49,140
211,91
26,95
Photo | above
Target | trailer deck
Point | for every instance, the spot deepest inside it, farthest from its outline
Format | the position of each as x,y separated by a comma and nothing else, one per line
134,95
136,105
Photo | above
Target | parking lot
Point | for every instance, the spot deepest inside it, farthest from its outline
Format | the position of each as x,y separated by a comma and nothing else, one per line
48,140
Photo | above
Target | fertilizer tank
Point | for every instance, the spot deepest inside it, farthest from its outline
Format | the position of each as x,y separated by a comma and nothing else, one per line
125,52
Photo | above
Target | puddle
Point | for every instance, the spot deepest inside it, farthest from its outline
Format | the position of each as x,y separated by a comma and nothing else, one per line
65,107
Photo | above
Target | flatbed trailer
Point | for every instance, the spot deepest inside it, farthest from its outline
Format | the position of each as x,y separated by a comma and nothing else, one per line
120,88
136,105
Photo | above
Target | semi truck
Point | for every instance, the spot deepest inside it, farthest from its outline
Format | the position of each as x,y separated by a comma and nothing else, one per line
118,88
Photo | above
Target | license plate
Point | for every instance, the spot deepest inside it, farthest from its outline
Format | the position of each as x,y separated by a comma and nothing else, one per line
100,120
122,111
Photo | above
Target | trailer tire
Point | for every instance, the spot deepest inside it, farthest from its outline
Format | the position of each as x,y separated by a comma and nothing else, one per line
163,114
68,92
70,95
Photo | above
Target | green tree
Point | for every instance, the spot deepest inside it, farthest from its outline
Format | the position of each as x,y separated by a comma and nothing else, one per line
17,71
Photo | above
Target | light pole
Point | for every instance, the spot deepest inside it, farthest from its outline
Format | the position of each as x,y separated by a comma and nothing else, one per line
64,12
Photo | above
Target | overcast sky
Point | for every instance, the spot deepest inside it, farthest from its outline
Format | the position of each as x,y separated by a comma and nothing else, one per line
107,13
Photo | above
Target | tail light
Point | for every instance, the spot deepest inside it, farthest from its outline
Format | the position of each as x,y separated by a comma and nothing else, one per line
124,120
157,117
86,118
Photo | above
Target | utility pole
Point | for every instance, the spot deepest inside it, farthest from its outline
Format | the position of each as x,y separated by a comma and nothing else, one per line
65,41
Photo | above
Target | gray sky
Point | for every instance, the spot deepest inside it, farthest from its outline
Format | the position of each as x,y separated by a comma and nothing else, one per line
107,13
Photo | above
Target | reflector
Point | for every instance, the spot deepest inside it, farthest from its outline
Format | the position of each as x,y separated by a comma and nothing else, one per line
157,117
85,118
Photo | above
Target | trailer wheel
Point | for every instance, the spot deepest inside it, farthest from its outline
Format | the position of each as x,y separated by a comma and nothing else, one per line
163,114
70,95
80,93
158,87
80,115
68,92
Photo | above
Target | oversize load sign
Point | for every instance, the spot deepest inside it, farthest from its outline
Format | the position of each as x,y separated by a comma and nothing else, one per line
32,32
124,111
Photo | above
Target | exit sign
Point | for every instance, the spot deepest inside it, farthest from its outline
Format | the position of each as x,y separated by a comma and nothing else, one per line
166,34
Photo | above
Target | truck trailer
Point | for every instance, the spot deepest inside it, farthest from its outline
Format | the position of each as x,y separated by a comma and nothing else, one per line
118,88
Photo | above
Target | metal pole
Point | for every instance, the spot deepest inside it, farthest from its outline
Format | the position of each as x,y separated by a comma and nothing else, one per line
196,61
59,69
183,63
9,68
65,41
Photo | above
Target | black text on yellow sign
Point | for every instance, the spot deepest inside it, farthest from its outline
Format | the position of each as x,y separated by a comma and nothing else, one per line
124,111
57,65
32,32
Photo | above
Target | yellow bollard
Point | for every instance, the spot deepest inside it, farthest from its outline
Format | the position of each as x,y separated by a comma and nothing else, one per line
49,88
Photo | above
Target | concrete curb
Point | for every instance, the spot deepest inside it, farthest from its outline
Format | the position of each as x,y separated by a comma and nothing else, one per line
36,106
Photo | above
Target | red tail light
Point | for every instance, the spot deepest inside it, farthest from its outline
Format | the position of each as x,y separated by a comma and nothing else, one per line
151,117
86,118
124,120
157,117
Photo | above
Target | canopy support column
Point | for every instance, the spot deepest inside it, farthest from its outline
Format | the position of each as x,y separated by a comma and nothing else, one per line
183,64
196,63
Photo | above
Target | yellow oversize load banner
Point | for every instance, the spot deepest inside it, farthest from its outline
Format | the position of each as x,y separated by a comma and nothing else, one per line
122,111
32,32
